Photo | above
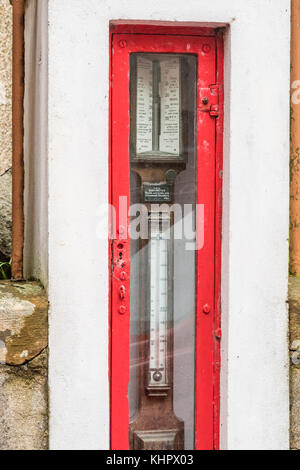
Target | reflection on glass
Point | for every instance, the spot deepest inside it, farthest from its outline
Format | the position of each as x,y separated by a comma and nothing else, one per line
163,180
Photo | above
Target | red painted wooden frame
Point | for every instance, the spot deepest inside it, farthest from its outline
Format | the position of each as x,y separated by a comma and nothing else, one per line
127,38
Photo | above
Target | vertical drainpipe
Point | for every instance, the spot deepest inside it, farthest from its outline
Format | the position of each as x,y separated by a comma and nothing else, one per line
295,141
17,137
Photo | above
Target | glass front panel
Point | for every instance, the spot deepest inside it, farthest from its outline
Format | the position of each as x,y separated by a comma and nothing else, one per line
163,182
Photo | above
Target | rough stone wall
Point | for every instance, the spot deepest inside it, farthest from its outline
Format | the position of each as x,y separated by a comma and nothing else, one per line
23,306
5,127
23,366
23,406
294,301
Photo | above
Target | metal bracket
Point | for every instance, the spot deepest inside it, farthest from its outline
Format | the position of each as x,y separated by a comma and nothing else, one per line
209,100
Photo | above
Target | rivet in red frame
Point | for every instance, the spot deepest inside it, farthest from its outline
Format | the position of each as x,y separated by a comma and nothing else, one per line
206,48
218,334
122,43
123,276
206,309
122,310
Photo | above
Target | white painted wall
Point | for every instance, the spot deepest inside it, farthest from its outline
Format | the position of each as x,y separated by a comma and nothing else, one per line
35,142
255,407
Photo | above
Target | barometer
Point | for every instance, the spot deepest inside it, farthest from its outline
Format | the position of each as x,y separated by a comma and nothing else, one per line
159,92
166,178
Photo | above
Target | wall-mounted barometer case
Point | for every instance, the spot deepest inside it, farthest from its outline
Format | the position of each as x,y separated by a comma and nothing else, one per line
165,112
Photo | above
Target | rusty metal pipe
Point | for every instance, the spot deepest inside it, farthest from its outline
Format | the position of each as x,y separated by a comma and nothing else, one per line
18,137
295,141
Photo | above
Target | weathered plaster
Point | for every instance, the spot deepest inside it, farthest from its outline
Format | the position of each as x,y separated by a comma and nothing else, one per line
5,213
5,84
5,126
23,322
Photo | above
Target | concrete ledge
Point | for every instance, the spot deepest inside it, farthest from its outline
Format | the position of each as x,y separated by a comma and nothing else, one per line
294,304
23,322
23,367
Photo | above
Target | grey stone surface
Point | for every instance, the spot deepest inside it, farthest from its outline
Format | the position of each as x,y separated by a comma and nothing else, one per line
23,366
5,214
23,321
24,405
5,85
5,126
294,304
295,408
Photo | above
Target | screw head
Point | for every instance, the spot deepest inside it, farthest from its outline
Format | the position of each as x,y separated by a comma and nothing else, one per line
171,176
206,48
157,376
218,334
123,276
122,43
205,100
206,309
122,310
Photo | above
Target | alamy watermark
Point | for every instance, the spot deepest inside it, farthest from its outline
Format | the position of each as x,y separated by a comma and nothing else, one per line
179,221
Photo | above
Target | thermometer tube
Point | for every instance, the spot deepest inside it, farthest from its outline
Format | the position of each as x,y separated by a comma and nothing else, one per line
159,299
